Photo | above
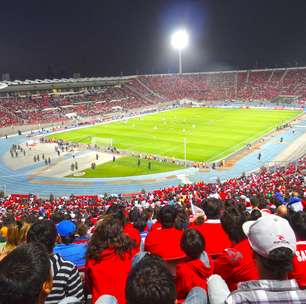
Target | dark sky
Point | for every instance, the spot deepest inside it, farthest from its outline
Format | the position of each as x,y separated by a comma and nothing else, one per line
56,38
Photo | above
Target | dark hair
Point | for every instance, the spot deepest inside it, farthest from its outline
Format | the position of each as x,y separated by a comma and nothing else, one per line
43,232
232,220
141,223
212,208
298,223
82,229
150,282
134,215
23,273
167,215
278,263
181,220
109,234
192,243
117,212
255,214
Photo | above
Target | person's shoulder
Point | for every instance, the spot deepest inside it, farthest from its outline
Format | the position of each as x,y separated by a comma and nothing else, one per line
61,262
231,255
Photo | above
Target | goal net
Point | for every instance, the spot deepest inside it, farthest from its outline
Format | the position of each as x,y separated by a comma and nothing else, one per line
101,142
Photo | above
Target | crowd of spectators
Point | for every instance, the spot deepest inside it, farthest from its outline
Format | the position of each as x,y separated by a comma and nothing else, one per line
140,91
240,241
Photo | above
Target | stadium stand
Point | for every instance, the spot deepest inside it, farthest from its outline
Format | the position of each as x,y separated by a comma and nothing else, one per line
129,93
158,219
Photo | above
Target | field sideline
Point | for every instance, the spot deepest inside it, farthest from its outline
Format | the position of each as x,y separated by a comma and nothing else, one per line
211,133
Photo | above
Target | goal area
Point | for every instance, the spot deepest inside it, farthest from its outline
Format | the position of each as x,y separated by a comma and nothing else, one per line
101,142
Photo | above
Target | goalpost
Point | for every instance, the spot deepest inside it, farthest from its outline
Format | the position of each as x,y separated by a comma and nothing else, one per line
102,142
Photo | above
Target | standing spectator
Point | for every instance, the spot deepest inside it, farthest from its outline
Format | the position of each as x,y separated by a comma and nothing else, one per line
212,229
165,241
74,253
66,278
236,264
109,259
273,252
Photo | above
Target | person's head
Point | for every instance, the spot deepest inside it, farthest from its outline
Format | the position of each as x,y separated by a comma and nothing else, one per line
150,282
192,243
232,220
134,214
25,276
109,235
140,223
43,232
117,212
66,230
167,216
298,224
212,208
282,211
82,229
274,244
255,214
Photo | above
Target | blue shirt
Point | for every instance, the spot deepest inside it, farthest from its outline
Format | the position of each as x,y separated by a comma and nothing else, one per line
74,253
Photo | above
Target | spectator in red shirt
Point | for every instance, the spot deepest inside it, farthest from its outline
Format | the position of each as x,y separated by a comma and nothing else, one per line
211,229
194,271
109,259
165,241
118,211
236,264
298,224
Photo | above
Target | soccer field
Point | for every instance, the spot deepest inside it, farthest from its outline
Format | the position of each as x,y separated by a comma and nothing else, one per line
211,133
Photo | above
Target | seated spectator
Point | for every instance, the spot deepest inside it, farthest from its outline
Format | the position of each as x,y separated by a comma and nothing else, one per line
66,278
194,271
69,251
273,252
236,264
150,282
212,229
117,211
109,259
165,241
298,224
25,275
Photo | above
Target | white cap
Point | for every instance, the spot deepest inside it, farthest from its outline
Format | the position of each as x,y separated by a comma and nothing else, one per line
268,233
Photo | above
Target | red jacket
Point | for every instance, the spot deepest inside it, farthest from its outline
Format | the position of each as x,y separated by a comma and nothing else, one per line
133,233
299,264
237,264
191,273
108,276
216,239
165,242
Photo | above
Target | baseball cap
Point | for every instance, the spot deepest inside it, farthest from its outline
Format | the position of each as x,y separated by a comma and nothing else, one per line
268,233
65,228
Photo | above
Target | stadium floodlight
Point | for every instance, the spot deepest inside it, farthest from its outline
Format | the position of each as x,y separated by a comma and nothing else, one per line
179,41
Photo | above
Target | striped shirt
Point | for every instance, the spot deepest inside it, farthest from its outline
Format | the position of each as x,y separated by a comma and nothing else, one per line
66,281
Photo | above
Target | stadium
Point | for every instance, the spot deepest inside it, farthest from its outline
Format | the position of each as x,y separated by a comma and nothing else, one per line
144,188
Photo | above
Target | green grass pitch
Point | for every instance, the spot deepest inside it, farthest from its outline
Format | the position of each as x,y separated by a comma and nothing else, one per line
211,133
128,166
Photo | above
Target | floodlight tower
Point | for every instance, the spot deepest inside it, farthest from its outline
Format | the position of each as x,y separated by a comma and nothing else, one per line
179,41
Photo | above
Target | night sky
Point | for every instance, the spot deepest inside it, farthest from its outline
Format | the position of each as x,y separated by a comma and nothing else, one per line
57,38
